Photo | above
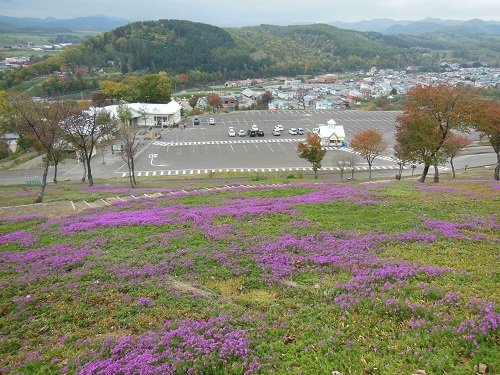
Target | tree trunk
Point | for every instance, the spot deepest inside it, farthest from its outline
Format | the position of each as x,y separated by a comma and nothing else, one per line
39,198
452,167
89,170
130,173
55,172
102,153
132,168
352,173
84,177
369,171
436,174
497,168
401,170
424,173
342,173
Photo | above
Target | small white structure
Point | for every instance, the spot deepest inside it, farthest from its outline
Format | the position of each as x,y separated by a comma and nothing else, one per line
331,133
11,139
148,115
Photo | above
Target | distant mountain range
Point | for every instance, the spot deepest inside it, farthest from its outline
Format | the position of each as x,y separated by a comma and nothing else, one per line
93,23
427,25
382,25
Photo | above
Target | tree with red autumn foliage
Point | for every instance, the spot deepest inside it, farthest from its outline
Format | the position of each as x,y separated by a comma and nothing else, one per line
430,115
488,123
312,151
370,144
453,146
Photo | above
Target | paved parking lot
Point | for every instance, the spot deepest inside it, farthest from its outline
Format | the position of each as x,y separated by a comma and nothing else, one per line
201,149
198,149
352,120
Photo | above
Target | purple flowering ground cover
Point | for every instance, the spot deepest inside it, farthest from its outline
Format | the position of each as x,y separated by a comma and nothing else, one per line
301,278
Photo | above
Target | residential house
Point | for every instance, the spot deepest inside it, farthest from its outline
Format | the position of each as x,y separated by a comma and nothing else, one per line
278,104
325,104
250,94
229,102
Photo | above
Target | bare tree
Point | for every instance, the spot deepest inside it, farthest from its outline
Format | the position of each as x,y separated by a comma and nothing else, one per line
352,161
128,136
85,129
103,144
58,155
41,121
342,160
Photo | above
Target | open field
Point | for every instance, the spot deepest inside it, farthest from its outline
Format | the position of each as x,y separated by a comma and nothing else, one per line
287,277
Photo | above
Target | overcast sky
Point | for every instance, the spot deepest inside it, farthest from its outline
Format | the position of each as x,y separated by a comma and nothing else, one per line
255,12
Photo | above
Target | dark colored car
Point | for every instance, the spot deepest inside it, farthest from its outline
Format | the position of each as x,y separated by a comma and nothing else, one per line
252,133
260,133
196,121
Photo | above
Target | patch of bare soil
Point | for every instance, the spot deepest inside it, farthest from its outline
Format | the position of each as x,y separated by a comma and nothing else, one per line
51,209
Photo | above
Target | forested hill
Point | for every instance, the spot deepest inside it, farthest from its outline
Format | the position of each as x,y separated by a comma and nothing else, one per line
207,53
319,48
181,46
171,45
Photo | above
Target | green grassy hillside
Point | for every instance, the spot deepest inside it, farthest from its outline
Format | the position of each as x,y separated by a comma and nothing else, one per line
295,278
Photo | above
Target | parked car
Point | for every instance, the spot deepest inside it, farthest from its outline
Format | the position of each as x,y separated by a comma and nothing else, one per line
231,132
252,133
241,133
260,133
292,131
279,127
276,132
316,130
255,127
300,131
196,121
211,121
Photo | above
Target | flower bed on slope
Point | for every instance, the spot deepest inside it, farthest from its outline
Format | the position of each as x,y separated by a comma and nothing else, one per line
304,278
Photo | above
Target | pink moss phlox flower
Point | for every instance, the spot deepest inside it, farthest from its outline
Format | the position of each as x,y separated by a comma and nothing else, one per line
485,320
21,237
204,215
456,230
439,189
41,263
185,346
145,301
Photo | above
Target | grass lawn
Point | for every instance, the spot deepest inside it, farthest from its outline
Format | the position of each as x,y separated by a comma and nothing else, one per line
303,277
